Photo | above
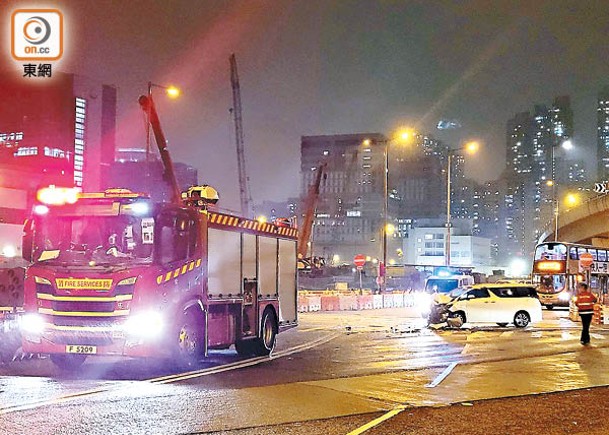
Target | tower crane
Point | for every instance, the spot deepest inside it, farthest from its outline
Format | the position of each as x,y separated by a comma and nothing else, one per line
237,117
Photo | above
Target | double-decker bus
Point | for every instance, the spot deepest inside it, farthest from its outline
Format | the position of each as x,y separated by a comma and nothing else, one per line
557,270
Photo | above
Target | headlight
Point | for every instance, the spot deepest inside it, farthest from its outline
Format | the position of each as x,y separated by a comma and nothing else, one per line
564,297
145,325
422,301
32,324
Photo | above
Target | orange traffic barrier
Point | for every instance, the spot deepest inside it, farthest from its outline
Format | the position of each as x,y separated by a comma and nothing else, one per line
364,302
347,302
329,303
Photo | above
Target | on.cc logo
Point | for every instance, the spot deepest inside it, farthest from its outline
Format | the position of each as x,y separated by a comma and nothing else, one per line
36,30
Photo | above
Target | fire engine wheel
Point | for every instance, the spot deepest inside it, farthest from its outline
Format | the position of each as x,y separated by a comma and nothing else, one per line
190,336
68,362
265,343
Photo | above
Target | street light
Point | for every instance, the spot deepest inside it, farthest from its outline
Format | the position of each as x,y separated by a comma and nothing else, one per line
172,92
402,136
471,148
571,200
566,145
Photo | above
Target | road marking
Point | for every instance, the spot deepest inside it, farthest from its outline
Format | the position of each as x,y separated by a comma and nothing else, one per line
242,364
377,421
537,334
465,349
442,375
597,336
172,378
507,333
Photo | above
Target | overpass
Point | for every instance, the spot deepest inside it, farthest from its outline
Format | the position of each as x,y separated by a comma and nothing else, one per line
582,224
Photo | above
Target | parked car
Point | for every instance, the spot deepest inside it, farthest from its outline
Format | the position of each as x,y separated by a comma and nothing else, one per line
497,303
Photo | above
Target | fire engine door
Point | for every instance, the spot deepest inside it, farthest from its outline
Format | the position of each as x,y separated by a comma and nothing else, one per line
249,276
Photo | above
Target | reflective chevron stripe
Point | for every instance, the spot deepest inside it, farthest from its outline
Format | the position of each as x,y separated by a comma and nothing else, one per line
185,268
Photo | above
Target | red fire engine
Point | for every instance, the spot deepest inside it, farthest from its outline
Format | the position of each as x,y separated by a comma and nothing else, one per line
115,274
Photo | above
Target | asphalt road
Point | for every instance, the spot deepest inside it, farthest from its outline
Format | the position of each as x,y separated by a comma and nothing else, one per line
336,373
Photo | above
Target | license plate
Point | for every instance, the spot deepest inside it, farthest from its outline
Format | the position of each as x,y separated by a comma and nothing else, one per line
77,348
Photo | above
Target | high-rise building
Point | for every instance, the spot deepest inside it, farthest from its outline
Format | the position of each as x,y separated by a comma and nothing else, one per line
519,145
350,210
602,134
64,129
532,142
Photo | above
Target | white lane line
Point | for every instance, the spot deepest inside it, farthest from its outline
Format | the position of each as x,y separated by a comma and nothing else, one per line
536,334
243,364
172,378
465,349
442,375
377,421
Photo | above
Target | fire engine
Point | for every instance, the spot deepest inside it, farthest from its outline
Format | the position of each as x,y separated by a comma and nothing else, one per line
114,273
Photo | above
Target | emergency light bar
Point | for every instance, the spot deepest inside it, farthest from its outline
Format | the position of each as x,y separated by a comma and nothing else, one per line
53,195
113,193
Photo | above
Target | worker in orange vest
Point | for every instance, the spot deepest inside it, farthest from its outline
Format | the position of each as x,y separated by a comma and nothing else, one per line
585,301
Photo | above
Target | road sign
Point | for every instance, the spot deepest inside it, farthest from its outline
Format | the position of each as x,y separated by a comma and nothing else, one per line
359,260
586,259
601,187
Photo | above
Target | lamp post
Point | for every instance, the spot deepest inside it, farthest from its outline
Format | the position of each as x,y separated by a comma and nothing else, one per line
403,136
566,145
172,92
471,148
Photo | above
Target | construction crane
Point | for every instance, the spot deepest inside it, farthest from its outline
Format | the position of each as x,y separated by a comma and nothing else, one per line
237,117
309,205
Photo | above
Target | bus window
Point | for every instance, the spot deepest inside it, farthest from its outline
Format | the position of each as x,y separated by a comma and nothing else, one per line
594,284
573,254
551,251
602,255
594,255
552,283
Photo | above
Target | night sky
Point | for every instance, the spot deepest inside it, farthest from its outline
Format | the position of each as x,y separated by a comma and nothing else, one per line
335,66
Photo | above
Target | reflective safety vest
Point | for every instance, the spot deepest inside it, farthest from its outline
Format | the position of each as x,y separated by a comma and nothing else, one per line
585,303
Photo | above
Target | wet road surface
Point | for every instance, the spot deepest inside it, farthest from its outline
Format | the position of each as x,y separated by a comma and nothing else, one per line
345,368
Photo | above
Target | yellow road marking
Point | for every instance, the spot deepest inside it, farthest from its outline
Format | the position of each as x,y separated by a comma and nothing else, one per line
377,421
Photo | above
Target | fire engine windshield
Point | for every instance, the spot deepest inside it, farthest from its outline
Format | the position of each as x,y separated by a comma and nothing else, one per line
98,239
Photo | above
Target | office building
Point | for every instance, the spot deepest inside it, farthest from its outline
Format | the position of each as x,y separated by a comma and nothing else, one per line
64,129
602,134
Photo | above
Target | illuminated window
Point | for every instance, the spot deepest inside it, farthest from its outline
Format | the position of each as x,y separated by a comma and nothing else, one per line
79,140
